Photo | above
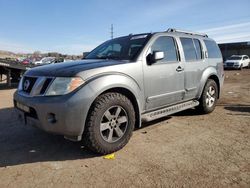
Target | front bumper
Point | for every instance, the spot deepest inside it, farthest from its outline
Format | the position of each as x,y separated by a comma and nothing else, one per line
69,112
234,66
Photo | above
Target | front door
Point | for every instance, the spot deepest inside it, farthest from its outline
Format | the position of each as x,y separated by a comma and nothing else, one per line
164,79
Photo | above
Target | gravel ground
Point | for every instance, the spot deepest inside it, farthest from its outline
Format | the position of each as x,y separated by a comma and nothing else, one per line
183,150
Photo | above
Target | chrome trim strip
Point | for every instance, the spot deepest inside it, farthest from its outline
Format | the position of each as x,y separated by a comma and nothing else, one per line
164,95
36,89
52,80
191,89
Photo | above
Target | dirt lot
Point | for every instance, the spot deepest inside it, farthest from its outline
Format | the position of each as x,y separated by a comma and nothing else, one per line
184,150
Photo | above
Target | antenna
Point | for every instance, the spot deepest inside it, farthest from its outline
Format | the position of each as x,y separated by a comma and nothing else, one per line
112,31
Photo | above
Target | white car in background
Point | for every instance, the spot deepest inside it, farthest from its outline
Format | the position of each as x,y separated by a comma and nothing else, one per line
237,62
44,61
67,60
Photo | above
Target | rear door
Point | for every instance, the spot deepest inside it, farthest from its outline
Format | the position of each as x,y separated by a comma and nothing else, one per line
194,65
164,79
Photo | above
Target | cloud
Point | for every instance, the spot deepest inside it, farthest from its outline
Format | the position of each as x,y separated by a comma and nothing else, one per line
238,37
73,48
14,47
224,28
223,34
230,33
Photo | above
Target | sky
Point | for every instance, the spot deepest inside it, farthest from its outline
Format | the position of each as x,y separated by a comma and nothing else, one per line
76,26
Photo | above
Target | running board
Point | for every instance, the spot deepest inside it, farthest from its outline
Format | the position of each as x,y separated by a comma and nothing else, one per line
169,110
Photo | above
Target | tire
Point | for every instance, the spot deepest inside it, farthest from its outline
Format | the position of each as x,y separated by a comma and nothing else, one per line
208,98
241,67
110,123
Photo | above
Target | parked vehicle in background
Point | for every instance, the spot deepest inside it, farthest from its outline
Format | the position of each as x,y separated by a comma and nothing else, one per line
44,61
21,59
26,62
12,59
67,60
120,83
237,62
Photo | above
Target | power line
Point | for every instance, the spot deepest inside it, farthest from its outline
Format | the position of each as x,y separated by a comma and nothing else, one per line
112,31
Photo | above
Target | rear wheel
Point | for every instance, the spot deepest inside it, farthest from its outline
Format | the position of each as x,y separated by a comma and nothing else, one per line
209,97
110,123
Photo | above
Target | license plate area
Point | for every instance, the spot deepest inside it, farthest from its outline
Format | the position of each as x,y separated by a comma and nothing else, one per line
22,117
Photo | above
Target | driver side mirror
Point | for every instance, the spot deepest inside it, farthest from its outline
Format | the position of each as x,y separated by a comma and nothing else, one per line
156,56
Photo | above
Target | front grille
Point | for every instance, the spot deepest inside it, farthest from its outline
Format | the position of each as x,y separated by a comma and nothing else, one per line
230,64
35,86
28,83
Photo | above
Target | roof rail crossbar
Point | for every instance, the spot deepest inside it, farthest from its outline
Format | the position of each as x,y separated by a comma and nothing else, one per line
186,32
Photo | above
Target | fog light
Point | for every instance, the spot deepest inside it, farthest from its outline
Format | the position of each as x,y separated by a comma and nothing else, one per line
51,118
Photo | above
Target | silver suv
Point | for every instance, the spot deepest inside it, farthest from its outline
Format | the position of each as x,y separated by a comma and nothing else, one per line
120,83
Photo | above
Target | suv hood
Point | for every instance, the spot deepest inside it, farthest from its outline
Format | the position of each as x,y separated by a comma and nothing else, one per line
71,68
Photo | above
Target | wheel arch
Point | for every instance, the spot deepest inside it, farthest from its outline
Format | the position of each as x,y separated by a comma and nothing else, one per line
116,83
217,81
126,92
209,73
129,94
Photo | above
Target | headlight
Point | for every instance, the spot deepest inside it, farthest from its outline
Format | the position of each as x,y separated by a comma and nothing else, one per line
64,85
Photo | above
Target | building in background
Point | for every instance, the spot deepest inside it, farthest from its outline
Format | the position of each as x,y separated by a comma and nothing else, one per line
237,48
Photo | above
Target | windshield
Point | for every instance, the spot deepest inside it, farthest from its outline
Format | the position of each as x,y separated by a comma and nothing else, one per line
47,60
235,58
123,48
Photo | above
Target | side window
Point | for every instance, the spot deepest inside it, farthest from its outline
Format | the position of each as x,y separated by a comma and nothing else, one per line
198,48
189,49
212,49
166,45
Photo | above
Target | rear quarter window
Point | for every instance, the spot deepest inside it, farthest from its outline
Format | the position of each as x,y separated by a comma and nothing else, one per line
198,48
212,49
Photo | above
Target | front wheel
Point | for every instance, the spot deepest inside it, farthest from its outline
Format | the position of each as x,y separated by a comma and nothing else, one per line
110,123
209,97
241,67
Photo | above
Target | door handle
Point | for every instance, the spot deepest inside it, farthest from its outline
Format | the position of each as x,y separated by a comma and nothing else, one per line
179,69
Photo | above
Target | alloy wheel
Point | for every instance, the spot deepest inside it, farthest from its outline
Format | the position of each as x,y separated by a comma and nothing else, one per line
114,123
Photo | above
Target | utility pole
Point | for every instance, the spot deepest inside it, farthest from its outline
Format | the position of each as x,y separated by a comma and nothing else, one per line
112,31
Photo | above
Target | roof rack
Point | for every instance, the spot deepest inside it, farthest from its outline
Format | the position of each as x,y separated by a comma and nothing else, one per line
186,32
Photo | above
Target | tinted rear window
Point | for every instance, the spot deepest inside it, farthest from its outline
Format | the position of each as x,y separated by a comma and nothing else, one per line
212,49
